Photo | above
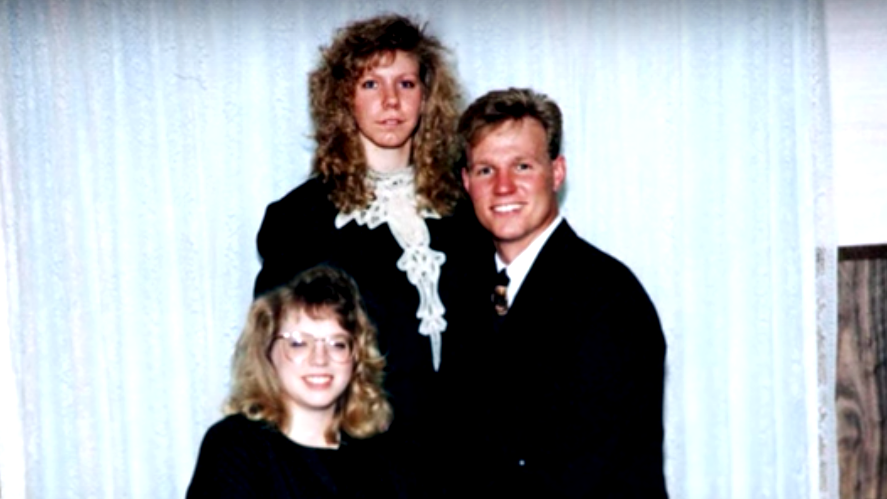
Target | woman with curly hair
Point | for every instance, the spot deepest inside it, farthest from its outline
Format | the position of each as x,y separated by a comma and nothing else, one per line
306,385
383,203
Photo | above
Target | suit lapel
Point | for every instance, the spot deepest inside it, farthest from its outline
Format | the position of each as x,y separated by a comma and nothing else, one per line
540,283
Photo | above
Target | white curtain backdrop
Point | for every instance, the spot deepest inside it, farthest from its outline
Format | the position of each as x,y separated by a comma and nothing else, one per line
140,141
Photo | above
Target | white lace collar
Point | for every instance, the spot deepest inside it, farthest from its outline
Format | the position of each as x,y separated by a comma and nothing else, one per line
395,203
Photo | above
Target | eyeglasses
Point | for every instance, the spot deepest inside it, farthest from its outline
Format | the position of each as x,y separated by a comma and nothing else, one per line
298,346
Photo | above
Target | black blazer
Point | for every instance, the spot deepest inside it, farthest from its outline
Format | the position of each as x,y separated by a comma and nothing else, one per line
565,400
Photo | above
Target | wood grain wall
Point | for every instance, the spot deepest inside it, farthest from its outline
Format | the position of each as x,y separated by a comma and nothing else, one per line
862,372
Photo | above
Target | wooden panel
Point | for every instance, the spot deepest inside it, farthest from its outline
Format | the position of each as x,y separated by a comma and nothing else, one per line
862,372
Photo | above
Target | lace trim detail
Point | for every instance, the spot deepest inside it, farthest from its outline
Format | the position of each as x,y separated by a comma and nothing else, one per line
395,203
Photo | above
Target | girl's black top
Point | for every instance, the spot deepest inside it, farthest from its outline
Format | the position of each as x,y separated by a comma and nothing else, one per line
242,458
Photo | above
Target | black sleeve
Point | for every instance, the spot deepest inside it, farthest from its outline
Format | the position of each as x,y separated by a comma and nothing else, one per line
294,235
635,464
271,243
226,466
644,452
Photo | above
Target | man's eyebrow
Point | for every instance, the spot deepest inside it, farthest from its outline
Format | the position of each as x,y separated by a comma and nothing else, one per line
522,158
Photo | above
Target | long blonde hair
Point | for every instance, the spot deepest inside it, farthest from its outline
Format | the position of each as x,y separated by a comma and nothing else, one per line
363,409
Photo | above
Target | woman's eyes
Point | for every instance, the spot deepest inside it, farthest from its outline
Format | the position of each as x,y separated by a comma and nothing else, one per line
406,84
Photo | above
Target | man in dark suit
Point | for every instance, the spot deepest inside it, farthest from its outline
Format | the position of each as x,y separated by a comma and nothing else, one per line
564,396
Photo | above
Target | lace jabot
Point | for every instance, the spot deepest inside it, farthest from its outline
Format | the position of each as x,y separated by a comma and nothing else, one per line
395,203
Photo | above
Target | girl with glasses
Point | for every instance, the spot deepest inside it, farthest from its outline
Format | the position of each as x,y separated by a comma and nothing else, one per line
306,388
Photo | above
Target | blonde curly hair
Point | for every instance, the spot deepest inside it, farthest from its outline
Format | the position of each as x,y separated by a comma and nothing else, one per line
339,157
363,409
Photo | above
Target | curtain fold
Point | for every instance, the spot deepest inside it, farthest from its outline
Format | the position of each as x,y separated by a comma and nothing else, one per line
12,450
141,140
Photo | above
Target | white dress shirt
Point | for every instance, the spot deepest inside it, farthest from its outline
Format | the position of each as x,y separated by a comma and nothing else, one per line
519,267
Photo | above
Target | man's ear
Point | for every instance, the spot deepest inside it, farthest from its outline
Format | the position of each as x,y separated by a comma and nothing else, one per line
559,171
464,171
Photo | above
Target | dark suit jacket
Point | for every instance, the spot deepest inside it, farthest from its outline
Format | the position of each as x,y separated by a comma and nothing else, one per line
565,400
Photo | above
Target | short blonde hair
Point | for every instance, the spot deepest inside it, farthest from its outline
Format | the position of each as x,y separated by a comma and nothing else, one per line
494,108
363,409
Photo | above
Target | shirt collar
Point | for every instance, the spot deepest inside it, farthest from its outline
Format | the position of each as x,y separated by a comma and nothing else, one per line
520,266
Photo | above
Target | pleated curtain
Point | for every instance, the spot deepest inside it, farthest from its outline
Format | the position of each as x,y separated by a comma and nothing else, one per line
140,141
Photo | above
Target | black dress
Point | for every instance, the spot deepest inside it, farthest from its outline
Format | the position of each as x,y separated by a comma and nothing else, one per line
299,231
241,458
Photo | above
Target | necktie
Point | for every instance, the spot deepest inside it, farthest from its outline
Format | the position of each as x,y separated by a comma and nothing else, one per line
500,297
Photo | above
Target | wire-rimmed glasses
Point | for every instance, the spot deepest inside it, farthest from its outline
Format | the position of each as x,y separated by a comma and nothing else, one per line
298,346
